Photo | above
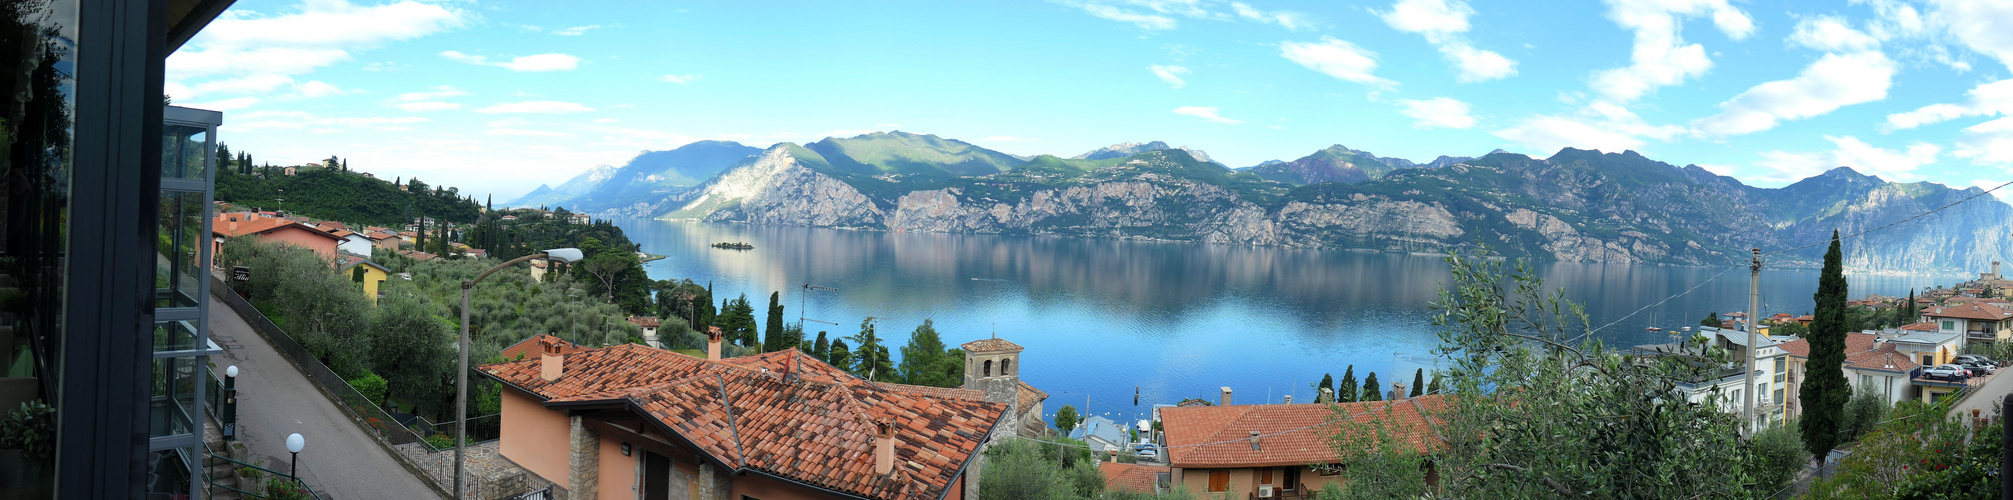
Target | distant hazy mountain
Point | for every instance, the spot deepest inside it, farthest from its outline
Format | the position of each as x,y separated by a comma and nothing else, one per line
1340,164
566,192
652,175
904,154
1125,149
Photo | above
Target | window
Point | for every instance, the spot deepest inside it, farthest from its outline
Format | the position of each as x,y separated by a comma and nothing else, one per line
1949,325
988,369
1781,368
1006,367
1760,389
1330,470
1265,476
1219,481
1778,396
1865,380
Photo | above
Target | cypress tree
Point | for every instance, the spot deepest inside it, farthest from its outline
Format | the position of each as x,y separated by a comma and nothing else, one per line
840,356
1418,383
772,329
1327,382
1711,319
1825,389
1345,391
822,349
1371,392
419,242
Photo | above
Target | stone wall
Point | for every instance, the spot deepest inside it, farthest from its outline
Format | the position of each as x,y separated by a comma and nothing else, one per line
584,463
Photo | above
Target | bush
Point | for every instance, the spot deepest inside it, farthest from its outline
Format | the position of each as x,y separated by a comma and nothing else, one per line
370,386
440,441
282,489
1865,409
1778,456
1021,469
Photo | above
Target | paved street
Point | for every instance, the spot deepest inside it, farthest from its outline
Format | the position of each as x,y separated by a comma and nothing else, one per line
1993,391
275,399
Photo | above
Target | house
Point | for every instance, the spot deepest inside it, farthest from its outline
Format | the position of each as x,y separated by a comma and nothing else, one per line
385,240
1102,434
476,253
989,368
1135,478
631,421
579,219
364,271
290,170
649,326
1280,450
1774,396
417,256
271,229
1978,322
1888,362
508,218
538,267
530,348
352,241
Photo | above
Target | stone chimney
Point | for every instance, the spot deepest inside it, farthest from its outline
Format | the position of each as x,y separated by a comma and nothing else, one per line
1226,396
234,223
884,448
1327,396
1397,391
550,364
713,343
1289,399
1254,441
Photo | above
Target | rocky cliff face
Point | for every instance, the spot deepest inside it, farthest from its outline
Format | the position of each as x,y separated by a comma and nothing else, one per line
776,189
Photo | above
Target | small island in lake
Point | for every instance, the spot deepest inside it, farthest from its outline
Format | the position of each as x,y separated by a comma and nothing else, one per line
734,246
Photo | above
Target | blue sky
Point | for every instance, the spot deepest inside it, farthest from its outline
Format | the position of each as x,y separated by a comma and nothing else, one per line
500,96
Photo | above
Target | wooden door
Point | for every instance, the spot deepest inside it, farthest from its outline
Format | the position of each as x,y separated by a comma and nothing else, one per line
656,476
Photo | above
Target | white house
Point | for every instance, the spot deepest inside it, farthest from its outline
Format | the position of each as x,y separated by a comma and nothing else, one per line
1977,321
1888,362
1728,381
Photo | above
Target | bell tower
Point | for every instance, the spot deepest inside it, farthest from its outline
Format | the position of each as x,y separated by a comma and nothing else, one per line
992,366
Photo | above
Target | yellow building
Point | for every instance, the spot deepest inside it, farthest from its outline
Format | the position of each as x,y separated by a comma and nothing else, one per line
364,271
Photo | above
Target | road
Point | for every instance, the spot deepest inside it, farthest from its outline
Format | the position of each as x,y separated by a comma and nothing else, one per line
274,399
1993,391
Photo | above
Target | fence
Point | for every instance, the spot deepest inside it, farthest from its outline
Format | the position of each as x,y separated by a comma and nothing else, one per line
481,429
360,408
213,399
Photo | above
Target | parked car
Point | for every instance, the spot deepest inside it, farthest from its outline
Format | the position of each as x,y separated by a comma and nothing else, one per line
1945,372
1977,368
1148,454
1979,358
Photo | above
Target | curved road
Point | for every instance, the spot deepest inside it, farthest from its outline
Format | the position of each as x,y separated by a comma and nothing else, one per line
276,399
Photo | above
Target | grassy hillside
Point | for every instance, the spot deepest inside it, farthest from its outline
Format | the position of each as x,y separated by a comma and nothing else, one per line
324,193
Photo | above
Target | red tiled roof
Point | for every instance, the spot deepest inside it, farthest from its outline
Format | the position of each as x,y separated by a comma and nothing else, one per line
1977,311
380,235
1920,327
749,416
1027,396
530,348
989,345
250,224
1130,477
644,321
1290,434
1798,348
349,261
1884,359
417,255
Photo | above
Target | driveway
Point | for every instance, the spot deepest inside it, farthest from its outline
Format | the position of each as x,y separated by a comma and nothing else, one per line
1995,389
274,399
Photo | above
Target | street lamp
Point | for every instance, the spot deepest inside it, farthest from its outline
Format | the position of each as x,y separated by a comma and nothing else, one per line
294,446
566,255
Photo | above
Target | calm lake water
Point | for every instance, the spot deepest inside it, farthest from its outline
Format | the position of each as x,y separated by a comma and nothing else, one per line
1099,317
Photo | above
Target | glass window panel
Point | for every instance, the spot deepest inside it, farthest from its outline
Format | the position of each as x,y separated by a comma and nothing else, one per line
174,336
184,151
168,474
178,264
174,396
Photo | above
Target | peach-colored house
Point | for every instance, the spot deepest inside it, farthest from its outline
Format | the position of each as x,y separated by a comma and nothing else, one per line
631,421
1268,451
272,229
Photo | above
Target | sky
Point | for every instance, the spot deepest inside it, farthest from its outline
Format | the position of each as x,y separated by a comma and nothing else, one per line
501,96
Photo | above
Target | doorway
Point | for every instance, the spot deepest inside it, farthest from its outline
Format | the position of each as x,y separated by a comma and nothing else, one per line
656,476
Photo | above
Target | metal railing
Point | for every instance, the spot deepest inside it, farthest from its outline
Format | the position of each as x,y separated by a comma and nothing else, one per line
481,429
359,407
213,399
257,490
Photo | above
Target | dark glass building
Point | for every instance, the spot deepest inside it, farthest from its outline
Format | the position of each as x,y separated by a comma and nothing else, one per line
102,257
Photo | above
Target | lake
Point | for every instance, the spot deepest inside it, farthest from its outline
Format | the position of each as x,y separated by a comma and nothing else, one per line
1101,316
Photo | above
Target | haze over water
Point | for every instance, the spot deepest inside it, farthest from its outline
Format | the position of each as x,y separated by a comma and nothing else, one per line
1099,316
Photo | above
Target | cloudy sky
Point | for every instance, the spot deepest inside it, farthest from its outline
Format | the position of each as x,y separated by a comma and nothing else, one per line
500,96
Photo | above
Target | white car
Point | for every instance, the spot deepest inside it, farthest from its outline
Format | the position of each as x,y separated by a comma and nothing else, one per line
1946,372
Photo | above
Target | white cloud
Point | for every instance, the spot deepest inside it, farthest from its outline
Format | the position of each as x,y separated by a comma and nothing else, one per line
241,85
536,107
297,120
1979,25
424,106
1142,20
242,44
1169,74
679,79
1995,98
1437,112
532,63
1831,34
225,104
525,133
1336,58
576,30
1660,56
1849,151
1834,81
1292,21
1442,22
1989,143
1206,113
443,91
1600,125
1006,138
318,88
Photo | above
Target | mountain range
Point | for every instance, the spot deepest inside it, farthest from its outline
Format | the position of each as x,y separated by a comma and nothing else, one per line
1577,205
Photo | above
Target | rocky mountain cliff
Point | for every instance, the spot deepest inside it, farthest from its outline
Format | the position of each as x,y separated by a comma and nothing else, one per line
1125,149
1583,206
653,175
1338,163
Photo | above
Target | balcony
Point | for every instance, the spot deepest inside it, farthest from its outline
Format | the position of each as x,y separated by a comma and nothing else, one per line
1299,493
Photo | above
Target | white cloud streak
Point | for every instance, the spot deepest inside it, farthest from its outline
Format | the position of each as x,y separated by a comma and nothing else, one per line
531,63
1169,74
1337,58
546,107
1661,57
245,46
1834,81
1438,112
1206,113
1442,22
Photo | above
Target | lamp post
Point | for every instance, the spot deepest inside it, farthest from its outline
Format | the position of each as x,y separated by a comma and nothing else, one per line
230,409
294,445
461,372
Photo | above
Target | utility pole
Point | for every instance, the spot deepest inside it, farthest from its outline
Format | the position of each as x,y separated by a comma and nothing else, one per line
1753,321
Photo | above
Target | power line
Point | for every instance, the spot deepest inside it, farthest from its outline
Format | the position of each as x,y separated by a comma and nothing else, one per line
1661,302
1895,223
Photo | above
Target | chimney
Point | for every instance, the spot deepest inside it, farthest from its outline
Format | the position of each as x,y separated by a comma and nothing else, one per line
1327,396
884,448
1289,399
713,343
550,364
1254,441
234,223
1226,396
1397,391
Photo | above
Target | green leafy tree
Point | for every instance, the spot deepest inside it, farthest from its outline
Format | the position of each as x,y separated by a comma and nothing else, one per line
224,157
1866,408
1825,390
925,360
840,356
1434,386
1779,454
737,322
1345,391
873,362
356,273
1018,469
1904,314
1711,319
1066,418
772,328
414,346
371,387
1371,391
821,349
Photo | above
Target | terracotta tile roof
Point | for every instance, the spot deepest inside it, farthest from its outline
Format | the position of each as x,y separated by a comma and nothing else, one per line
989,345
349,261
1130,477
1027,396
417,255
1977,311
1290,434
1884,359
644,321
1796,348
1920,327
380,235
250,224
750,417
780,362
531,347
